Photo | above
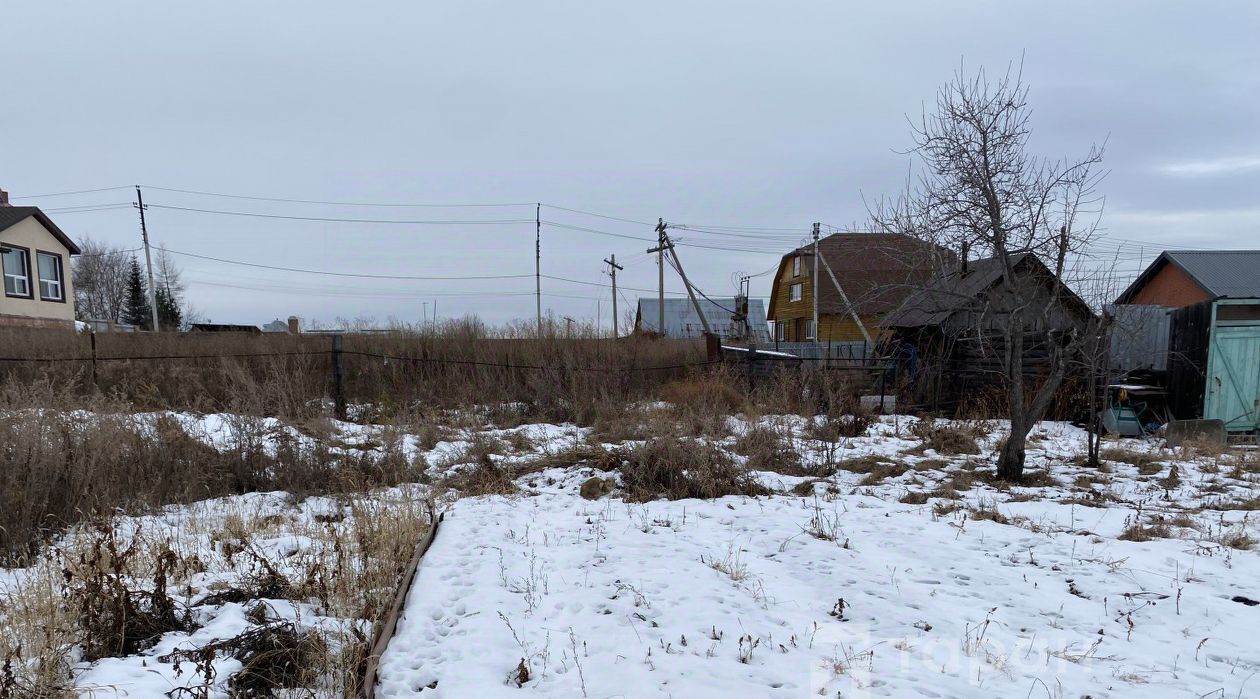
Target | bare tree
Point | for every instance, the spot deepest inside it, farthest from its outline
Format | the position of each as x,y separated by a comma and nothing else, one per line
100,280
981,192
167,276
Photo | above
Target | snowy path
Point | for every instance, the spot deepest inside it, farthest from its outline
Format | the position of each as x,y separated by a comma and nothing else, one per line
666,599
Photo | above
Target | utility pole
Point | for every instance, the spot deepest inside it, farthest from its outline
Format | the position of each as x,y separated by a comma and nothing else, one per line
741,308
612,271
148,258
661,247
815,280
537,267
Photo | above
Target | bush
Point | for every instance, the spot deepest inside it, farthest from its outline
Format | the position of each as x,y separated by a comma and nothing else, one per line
711,393
943,439
767,450
677,468
832,428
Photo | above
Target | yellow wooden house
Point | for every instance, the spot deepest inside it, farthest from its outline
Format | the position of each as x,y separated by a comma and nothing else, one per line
870,275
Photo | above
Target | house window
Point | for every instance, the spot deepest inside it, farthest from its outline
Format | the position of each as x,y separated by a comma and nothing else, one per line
51,287
795,291
17,271
809,329
779,329
796,266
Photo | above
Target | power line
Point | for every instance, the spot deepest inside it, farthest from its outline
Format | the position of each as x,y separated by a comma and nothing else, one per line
86,208
583,229
341,203
345,274
66,194
449,222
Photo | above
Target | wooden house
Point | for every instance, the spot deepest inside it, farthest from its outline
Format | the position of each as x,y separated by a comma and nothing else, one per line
948,335
861,278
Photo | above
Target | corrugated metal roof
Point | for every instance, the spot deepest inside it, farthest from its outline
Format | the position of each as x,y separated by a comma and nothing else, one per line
681,320
1227,273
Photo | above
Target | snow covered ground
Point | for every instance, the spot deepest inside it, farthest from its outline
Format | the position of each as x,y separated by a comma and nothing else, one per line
844,591
891,569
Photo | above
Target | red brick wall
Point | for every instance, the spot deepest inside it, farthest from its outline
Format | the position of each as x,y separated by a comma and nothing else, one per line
1171,288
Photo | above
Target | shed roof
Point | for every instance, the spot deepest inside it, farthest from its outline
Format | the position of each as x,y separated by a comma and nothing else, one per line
950,293
681,320
12,215
877,270
1221,273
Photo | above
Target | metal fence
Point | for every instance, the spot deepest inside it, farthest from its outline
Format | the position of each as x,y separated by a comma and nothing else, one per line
848,352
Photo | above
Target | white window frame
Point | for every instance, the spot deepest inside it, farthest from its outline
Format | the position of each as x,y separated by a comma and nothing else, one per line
25,278
810,333
59,283
796,266
779,331
796,292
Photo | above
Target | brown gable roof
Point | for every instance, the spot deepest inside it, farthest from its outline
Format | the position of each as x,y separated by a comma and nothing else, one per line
12,215
877,270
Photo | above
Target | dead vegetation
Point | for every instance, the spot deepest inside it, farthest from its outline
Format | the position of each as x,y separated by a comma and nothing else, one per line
60,465
1147,464
946,440
767,449
834,427
677,468
107,592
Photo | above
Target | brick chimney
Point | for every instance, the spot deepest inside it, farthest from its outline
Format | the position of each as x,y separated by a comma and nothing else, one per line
4,198
294,327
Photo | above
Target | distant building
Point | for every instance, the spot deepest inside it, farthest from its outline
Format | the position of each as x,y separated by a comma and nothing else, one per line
1196,314
36,268
223,328
681,321
876,271
291,326
1179,278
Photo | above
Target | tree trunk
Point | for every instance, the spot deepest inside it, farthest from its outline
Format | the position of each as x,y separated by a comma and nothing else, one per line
1010,465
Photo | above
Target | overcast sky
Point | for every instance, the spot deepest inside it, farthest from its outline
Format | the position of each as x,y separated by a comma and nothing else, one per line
759,116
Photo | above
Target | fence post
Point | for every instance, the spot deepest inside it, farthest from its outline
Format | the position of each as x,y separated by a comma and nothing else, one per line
92,340
339,381
752,368
883,380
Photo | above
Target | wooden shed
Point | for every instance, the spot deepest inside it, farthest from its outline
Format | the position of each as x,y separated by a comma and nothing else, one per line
1212,337
948,341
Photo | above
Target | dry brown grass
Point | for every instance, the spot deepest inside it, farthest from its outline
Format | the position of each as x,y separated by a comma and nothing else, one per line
709,392
108,593
834,427
1146,464
947,440
557,377
60,466
677,468
768,450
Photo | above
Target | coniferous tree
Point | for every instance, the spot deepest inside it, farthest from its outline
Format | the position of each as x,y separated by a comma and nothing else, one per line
169,315
137,311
